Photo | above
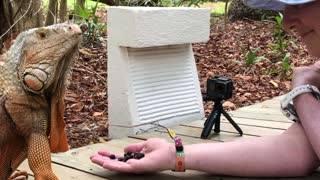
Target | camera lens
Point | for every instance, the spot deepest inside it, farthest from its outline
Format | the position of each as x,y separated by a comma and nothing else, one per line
219,88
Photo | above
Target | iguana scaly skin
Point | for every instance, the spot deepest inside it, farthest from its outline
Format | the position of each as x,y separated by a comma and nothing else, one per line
33,76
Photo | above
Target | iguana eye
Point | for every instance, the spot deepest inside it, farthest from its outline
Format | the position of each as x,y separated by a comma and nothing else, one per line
42,35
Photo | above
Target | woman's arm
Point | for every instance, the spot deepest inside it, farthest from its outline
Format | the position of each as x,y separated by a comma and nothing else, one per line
306,105
308,109
287,154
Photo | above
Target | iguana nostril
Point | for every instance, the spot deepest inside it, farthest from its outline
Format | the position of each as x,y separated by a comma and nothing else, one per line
32,82
76,29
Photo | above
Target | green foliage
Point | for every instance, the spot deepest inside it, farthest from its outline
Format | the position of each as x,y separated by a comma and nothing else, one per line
285,64
188,3
70,4
94,29
279,48
151,3
281,38
175,3
283,68
217,8
281,44
252,57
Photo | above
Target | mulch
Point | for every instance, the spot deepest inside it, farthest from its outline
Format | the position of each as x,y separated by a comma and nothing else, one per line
224,55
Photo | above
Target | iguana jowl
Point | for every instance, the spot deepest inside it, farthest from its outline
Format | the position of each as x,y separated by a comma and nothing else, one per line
33,76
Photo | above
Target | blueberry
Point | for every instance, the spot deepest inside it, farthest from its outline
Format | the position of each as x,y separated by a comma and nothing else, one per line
127,156
112,156
138,155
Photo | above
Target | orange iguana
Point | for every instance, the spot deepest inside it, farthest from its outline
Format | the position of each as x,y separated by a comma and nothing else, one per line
33,76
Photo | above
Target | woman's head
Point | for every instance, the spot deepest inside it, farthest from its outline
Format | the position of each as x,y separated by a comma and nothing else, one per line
304,18
300,15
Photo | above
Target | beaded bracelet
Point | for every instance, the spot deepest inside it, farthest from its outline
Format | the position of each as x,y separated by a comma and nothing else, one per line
180,158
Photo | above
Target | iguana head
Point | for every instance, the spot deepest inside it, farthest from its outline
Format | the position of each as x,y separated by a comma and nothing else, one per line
46,56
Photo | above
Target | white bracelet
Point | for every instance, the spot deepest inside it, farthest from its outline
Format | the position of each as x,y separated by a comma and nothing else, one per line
287,105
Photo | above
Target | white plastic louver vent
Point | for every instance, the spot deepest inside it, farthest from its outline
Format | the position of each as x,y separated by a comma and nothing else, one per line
163,82
152,75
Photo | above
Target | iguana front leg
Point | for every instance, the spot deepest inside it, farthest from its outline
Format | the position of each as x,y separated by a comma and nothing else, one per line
13,155
39,157
19,175
5,168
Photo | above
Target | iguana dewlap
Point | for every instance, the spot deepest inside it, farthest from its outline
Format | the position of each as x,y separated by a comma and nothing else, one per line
33,76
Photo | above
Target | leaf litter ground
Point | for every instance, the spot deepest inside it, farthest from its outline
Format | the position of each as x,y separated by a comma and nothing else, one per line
224,55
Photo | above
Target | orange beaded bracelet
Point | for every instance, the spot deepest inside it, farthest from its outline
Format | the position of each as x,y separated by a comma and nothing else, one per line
180,158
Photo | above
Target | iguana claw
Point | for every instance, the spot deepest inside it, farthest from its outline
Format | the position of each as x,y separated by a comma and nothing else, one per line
19,175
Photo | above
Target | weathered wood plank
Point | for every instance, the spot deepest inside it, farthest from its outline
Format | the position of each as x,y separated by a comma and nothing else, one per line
172,175
189,139
271,106
79,158
249,122
190,175
261,110
258,120
227,127
195,132
258,116
274,102
164,135
260,123
64,172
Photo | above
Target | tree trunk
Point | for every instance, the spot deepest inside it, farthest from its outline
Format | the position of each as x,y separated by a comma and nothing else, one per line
239,11
80,4
17,16
63,10
52,12
5,21
27,14
108,2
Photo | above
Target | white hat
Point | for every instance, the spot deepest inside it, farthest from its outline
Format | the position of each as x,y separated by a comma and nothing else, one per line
273,4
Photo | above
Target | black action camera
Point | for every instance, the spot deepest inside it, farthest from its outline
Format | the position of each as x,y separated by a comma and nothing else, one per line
219,88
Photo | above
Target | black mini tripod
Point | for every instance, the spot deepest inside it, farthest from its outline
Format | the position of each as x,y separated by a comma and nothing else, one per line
214,119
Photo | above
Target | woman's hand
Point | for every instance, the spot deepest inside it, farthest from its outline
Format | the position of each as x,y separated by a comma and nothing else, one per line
159,155
307,75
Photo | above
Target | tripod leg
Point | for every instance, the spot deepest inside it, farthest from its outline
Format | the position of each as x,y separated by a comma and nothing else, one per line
209,117
217,124
234,124
209,124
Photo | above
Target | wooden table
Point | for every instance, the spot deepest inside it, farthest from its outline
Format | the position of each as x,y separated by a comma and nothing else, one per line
261,119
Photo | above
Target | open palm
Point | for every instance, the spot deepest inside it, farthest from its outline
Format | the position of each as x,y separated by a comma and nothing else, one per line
159,156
